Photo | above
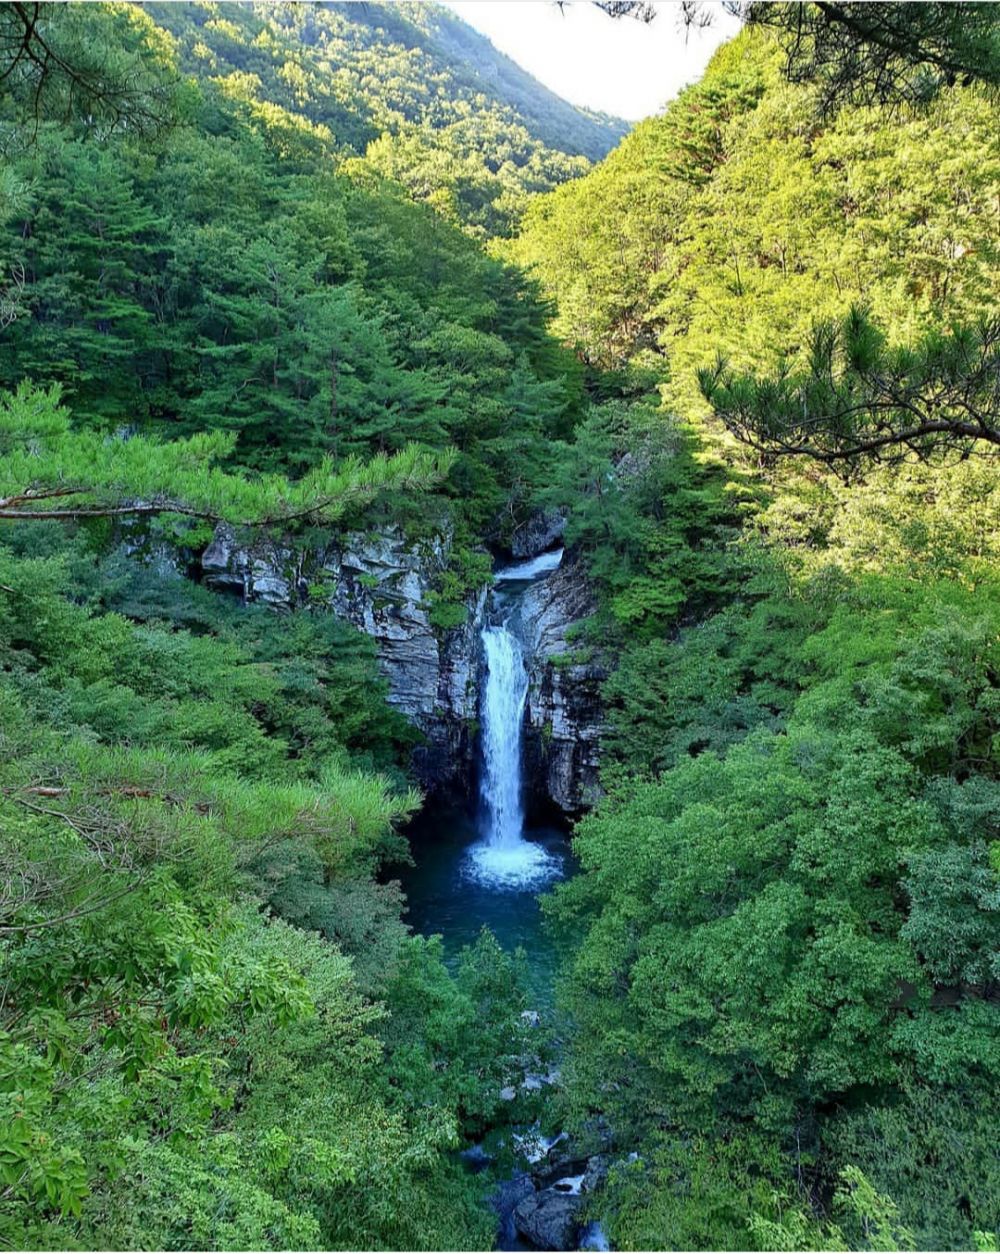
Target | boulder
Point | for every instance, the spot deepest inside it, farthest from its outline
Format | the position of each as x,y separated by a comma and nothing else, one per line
596,1173
537,533
549,1219
508,1195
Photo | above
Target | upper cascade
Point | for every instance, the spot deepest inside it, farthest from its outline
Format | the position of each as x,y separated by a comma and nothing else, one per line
532,569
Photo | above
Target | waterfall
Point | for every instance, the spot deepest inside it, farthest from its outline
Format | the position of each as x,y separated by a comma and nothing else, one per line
505,693
503,711
521,572
503,858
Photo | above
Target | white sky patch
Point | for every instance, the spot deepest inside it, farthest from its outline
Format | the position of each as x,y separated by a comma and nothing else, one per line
619,66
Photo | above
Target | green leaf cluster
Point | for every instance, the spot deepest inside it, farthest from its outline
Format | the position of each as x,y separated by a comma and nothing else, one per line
783,989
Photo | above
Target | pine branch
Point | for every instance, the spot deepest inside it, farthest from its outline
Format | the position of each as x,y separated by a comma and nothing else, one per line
861,400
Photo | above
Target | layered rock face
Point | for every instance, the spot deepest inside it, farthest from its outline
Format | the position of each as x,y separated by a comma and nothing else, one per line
538,532
565,720
382,586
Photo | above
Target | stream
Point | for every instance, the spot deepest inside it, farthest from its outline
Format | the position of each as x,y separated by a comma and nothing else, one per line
487,867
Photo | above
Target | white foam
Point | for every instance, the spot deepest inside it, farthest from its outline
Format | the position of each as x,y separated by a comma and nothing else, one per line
534,1146
520,865
543,564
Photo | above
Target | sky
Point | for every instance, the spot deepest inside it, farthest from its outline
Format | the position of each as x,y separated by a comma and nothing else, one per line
619,66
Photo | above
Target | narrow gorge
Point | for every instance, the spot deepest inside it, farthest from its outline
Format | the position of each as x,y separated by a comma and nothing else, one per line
383,585
486,867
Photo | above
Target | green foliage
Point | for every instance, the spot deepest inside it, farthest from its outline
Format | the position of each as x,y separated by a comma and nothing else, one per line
805,916
892,55
781,971
215,1030
176,1066
294,322
51,471
467,572
862,400
312,680
106,70
407,92
461,1039
871,1218
783,992
782,221
931,1153
647,515
698,1191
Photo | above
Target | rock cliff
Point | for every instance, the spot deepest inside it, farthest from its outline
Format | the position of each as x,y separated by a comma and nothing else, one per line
564,713
382,585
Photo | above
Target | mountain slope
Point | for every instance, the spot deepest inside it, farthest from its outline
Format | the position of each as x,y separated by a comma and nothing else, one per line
736,219
477,66
780,993
411,87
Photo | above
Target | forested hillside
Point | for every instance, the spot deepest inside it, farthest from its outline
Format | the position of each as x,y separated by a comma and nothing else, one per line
225,276
753,359
215,1030
410,88
787,990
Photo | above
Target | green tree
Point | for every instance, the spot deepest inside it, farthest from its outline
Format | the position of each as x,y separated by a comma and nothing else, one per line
863,400
108,69
51,471
890,55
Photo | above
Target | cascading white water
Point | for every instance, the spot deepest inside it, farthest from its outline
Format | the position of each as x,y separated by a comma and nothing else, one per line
522,572
503,711
503,857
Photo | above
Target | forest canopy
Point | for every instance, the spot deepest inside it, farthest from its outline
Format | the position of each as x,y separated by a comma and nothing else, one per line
749,359
215,1029
786,983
